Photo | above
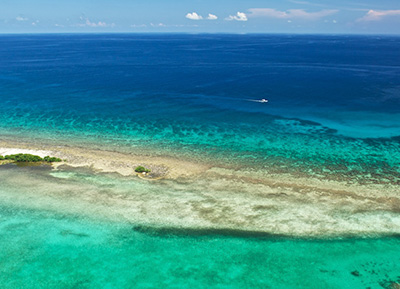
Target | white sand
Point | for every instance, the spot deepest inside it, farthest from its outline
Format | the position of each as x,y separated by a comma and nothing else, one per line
105,161
12,151
205,196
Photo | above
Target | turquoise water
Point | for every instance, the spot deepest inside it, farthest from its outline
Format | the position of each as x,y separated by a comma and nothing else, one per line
274,143
73,229
333,115
46,250
333,100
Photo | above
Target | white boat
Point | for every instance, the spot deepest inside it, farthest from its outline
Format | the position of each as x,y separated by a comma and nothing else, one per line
258,100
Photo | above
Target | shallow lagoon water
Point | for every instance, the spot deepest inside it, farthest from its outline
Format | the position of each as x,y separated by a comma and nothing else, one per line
41,250
60,229
218,199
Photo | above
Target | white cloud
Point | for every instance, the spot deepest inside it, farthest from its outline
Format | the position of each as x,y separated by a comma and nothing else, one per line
94,24
20,18
240,16
89,23
158,25
267,12
212,17
290,14
299,13
193,16
376,15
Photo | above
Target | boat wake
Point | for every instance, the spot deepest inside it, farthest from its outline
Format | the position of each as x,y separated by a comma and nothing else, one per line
263,100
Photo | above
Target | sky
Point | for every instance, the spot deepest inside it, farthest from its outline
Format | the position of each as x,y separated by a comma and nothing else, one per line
201,16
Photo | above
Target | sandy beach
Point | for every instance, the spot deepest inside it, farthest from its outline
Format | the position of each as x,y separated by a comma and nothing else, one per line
219,198
106,161
124,164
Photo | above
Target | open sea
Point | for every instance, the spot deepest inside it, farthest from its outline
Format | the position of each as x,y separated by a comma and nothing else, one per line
333,114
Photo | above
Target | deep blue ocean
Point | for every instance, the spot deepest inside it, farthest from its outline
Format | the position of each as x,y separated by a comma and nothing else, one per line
332,99
333,111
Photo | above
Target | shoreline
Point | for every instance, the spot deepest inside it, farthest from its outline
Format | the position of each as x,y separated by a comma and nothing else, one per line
357,171
124,164
109,161
106,161
194,195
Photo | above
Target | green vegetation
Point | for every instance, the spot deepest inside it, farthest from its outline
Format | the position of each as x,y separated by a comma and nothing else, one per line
141,169
51,159
1,158
24,158
28,158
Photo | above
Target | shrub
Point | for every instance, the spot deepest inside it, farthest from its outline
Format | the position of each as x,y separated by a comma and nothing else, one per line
141,169
51,159
1,158
24,158
28,158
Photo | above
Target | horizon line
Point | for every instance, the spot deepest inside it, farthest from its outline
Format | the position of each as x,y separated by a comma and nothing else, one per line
198,33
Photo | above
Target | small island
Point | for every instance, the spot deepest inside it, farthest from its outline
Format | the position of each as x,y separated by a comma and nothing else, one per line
155,173
141,170
28,158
